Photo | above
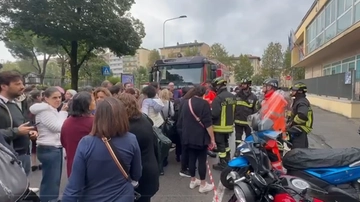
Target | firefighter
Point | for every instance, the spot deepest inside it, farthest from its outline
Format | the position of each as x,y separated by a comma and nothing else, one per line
301,118
223,107
246,104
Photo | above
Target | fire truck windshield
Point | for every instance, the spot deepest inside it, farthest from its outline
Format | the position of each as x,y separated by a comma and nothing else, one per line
181,75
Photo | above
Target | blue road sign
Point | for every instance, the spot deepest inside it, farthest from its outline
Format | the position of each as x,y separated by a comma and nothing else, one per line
105,71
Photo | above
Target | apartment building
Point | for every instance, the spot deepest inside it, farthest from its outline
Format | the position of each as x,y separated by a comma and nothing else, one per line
327,45
200,47
255,63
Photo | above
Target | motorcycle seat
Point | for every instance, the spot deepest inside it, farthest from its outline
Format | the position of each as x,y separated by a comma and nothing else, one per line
300,159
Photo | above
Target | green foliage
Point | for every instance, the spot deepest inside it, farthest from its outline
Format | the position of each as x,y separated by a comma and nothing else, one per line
141,76
153,56
243,68
272,60
92,24
258,79
114,79
172,55
297,73
219,52
26,45
91,71
191,52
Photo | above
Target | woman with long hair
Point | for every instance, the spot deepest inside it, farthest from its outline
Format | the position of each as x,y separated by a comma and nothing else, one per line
95,175
141,127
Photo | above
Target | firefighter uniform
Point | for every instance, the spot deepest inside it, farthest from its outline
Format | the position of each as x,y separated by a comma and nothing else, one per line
246,104
301,117
223,107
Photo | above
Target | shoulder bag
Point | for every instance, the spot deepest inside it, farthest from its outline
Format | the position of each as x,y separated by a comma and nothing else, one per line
120,164
168,128
14,183
194,115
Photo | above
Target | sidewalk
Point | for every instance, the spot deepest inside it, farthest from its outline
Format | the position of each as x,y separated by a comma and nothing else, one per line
333,130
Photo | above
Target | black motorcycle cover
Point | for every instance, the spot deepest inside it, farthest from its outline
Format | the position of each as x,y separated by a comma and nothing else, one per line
300,159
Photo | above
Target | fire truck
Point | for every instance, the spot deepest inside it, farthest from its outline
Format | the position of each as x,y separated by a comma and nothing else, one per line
187,71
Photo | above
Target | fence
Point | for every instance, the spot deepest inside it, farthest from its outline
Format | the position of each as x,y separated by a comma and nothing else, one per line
343,85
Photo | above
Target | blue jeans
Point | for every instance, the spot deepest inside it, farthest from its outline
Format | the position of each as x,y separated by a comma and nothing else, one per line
51,159
25,162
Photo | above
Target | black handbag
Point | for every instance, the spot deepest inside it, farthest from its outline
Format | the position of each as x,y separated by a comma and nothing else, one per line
169,127
14,184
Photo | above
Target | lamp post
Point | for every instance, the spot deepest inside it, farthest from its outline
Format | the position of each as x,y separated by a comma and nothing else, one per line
182,16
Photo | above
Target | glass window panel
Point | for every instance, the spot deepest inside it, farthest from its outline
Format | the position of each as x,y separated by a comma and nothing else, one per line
348,4
328,15
344,22
324,72
357,12
358,57
340,7
358,69
336,63
328,70
333,11
308,35
349,59
319,40
330,32
351,66
344,67
332,70
338,69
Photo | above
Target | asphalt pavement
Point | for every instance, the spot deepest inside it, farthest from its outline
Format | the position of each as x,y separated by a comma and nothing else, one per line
330,130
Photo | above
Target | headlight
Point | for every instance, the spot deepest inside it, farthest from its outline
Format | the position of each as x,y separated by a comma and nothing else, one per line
239,193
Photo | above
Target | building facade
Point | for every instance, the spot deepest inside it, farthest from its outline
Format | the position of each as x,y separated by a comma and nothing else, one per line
255,63
199,47
116,64
327,45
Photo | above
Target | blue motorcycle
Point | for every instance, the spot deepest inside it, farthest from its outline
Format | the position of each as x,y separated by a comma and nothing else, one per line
337,171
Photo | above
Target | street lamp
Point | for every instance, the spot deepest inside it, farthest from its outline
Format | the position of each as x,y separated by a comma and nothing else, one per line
182,16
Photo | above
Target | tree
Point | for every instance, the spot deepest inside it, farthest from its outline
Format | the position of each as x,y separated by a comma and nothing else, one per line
141,76
219,52
26,45
91,71
172,55
272,60
297,73
243,68
71,24
258,79
153,56
191,52
7,66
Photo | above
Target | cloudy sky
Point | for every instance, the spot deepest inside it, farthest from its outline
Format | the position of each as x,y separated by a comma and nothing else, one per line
242,26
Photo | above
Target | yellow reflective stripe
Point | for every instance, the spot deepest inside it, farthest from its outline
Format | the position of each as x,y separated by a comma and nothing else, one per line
241,122
222,154
306,129
238,141
223,129
227,149
243,103
223,116
298,120
309,121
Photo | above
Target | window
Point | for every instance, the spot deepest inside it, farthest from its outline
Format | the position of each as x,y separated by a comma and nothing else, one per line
328,71
320,23
319,40
344,21
351,59
357,12
337,69
358,69
351,66
344,67
340,7
332,70
330,32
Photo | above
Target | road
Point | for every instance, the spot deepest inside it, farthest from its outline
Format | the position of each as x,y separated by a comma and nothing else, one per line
172,187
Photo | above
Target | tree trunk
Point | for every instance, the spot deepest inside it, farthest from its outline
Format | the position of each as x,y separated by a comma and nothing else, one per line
74,68
63,71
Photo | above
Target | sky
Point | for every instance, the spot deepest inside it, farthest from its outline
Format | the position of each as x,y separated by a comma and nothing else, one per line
242,26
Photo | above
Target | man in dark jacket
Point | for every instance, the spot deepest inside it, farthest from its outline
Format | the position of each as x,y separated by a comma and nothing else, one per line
16,131
223,107
246,104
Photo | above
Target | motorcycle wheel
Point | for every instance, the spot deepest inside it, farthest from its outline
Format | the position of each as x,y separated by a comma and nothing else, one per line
225,178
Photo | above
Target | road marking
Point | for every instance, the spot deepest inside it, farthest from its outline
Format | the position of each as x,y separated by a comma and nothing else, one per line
220,192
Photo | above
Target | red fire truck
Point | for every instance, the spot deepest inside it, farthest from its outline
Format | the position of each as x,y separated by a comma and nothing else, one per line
187,71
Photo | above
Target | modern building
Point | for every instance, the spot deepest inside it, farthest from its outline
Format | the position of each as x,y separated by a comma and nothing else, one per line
255,63
127,63
327,45
131,63
202,49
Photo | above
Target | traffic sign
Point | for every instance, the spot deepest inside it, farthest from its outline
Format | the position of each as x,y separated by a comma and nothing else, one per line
105,71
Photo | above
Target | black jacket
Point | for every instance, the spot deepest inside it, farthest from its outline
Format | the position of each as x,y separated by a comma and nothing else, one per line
223,107
149,181
246,104
302,114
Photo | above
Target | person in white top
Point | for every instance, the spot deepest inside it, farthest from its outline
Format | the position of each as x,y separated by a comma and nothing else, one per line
49,150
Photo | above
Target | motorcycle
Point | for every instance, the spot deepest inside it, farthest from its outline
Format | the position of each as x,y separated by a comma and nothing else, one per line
239,163
337,171
264,184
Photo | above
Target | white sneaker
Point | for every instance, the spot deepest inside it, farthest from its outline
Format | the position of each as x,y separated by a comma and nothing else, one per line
206,188
194,184
35,190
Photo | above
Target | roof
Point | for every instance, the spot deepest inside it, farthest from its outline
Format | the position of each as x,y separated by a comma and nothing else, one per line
306,15
182,60
184,45
249,56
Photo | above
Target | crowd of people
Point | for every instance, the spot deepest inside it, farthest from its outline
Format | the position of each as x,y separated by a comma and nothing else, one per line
106,134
